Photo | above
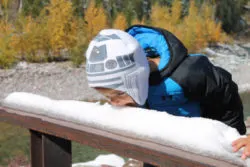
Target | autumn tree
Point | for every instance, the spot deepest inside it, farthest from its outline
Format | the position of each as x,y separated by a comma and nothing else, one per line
31,40
136,21
191,27
120,22
96,20
160,16
61,25
33,7
166,17
176,11
201,27
4,4
196,29
7,52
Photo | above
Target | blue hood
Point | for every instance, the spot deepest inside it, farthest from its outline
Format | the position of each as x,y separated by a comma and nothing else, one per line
160,42
153,42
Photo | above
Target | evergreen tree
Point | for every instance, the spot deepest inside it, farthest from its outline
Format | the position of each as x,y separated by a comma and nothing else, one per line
164,2
229,12
129,11
142,9
138,4
118,4
33,7
146,5
78,7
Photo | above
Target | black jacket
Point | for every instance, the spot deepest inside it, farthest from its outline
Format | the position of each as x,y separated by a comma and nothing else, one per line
201,81
214,88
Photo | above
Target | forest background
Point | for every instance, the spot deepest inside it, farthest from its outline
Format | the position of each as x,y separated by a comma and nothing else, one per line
57,30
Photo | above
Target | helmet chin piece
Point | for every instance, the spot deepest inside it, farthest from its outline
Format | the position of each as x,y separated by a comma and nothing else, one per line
134,86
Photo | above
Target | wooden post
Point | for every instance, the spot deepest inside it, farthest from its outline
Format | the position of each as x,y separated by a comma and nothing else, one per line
36,149
49,151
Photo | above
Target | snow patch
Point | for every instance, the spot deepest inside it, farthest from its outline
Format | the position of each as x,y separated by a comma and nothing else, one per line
109,160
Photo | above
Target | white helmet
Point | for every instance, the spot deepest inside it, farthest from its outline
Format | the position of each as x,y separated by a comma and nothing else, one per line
116,60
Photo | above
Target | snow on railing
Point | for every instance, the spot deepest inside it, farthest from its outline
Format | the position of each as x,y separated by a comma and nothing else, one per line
146,135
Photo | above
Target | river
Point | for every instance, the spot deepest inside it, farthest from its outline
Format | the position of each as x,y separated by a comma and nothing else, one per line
246,103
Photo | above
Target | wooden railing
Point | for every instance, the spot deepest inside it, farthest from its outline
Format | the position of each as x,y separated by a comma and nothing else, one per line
51,143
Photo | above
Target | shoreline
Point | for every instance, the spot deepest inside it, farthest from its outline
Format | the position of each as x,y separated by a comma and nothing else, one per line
244,88
62,81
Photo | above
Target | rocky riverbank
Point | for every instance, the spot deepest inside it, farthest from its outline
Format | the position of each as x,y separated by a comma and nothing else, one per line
62,81
55,80
235,59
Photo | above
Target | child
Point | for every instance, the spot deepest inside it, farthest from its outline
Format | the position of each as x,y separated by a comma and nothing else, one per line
149,67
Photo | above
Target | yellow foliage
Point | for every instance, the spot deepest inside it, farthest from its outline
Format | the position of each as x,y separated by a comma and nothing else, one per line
191,22
29,24
206,29
57,28
120,22
160,16
61,25
7,52
207,11
4,3
176,12
166,17
195,30
136,21
5,27
32,39
78,50
96,19
213,29
217,34
193,10
200,41
41,39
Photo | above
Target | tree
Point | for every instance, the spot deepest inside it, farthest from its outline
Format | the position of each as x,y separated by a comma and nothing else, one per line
164,2
9,9
7,52
33,7
129,11
61,25
138,7
78,7
96,20
160,16
196,29
120,22
176,11
229,12
191,27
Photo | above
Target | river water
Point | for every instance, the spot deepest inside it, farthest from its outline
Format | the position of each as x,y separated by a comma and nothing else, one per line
246,103
246,96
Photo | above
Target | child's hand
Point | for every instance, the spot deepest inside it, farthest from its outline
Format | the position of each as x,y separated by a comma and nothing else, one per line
240,143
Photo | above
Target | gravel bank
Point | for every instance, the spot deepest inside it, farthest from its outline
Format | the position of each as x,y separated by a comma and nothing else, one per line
55,80
62,81
234,58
